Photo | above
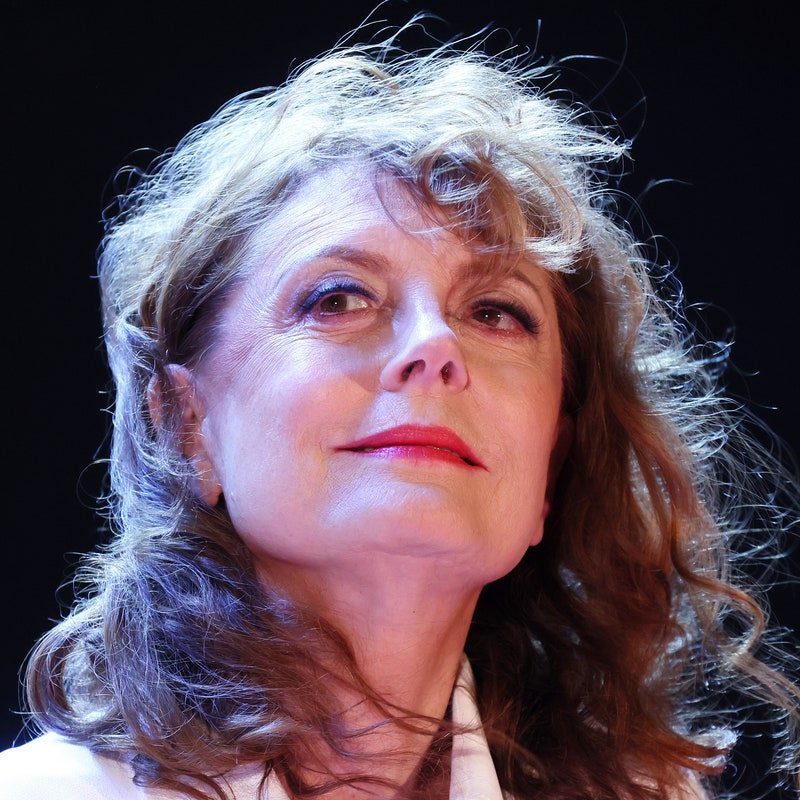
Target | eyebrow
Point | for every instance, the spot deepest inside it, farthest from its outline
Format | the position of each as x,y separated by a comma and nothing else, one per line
354,255
377,262
520,276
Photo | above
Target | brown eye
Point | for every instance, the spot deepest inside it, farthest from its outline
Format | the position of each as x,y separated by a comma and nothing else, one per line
504,316
341,303
495,318
333,299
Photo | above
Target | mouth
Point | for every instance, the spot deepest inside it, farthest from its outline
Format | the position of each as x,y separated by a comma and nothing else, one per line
417,441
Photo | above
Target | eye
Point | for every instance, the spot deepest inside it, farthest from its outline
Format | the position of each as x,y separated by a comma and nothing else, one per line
341,303
504,315
336,299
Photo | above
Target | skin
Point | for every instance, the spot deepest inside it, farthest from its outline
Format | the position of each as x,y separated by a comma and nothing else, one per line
393,549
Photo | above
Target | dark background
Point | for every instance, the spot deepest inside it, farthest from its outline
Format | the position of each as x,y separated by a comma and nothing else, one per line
714,90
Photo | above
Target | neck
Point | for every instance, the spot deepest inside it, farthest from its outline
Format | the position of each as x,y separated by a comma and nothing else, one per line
407,630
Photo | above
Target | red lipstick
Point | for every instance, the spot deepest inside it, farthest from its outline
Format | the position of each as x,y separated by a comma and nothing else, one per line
417,441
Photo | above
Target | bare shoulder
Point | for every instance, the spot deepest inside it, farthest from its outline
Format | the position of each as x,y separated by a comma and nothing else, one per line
53,767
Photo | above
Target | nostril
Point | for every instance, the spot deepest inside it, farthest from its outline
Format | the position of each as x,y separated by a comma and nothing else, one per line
446,371
409,369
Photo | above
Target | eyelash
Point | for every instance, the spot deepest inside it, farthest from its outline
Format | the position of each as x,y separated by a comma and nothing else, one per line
328,289
520,314
528,322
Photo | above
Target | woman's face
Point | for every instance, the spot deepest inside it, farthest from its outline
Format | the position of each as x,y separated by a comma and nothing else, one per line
367,398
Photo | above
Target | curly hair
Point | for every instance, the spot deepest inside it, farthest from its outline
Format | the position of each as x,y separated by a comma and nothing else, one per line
600,658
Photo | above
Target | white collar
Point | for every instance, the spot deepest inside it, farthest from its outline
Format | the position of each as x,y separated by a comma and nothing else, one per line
472,772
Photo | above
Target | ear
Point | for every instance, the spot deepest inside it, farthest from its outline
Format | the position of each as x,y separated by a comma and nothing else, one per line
565,434
180,401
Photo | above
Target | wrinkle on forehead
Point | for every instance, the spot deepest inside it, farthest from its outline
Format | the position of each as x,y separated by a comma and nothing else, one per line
414,211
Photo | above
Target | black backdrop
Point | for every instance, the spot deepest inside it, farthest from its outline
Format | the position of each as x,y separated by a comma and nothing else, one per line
90,83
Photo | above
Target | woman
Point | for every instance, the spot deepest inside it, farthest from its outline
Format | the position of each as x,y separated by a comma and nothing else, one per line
393,387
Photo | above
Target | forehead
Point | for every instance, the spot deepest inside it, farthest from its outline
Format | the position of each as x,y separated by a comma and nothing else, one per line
358,206
338,206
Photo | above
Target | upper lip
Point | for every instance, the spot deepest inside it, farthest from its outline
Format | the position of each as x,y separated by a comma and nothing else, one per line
420,435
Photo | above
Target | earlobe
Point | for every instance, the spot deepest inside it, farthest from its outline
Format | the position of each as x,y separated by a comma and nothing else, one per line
181,398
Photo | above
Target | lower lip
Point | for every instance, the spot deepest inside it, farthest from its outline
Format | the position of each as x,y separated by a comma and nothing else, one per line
415,452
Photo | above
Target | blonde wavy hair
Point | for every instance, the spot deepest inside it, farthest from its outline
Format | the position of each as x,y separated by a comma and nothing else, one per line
601,657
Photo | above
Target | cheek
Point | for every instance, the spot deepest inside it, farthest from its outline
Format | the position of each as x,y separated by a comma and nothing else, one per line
522,403
271,414
278,413
523,429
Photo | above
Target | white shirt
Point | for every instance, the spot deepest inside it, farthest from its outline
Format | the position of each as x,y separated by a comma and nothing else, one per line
53,768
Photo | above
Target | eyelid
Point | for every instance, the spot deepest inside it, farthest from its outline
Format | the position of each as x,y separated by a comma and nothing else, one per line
331,286
328,285
529,320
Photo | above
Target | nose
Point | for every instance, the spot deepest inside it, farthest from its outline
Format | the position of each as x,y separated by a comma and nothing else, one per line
429,356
